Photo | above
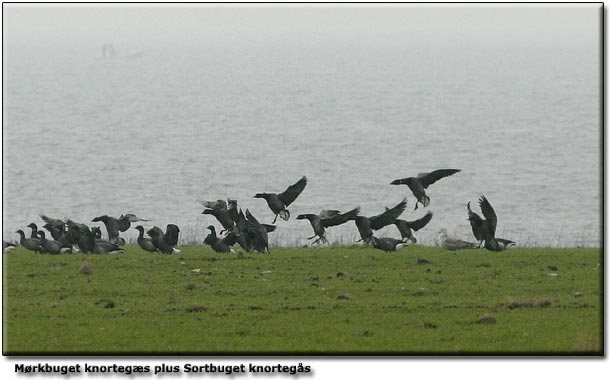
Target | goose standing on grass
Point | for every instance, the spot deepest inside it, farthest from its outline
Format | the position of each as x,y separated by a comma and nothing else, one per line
256,234
165,242
485,229
389,244
278,203
145,243
419,184
406,228
220,210
32,244
327,218
367,225
453,244
217,244
34,227
53,247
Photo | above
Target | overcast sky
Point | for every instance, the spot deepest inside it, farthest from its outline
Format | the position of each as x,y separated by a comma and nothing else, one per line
166,23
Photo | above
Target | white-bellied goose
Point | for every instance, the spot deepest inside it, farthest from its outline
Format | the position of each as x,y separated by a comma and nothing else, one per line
452,243
406,228
367,225
145,243
32,244
327,218
217,244
389,244
278,203
485,229
419,184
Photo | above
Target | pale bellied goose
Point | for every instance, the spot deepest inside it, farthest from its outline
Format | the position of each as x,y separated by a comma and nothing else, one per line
419,184
145,243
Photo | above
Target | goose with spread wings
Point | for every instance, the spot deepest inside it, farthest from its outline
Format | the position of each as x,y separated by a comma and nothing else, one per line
485,229
327,218
278,203
366,225
406,228
419,184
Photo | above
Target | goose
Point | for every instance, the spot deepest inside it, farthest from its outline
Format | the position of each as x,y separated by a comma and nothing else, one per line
124,221
278,203
327,218
88,244
245,233
165,242
217,244
485,229
145,243
32,244
406,228
389,244
419,184
34,227
7,247
112,226
453,244
220,210
257,234
366,225
53,247
56,227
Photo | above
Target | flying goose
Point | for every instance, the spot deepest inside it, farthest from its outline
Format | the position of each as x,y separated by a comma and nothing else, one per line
419,184
485,229
327,218
389,244
453,244
406,228
145,243
367,225
278,203
220,210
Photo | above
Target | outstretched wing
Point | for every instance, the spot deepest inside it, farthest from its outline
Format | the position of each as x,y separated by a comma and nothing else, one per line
388,216
171,234
292,192
338,219
427,179
489,214
420,223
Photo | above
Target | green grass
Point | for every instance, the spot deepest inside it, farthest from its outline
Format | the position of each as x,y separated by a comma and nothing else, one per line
335,300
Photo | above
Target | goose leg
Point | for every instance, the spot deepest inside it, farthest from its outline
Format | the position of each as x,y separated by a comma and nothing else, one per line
274,219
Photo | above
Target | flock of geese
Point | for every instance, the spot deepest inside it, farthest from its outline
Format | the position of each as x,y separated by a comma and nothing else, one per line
243,229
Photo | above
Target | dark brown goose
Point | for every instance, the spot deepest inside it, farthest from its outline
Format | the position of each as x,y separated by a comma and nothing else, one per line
366,226
419,184
145,243
325,219
485,229
389,244
278,203
32,244
406,228
165,242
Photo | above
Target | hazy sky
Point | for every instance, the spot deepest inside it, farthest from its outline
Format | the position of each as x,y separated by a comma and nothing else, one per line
163,23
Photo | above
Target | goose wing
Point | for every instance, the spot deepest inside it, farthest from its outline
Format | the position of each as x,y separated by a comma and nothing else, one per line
171,234
339,218
388,216
489,214
420,223
293,191
427,179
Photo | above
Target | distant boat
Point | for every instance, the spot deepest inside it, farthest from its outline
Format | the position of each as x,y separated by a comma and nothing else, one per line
109,51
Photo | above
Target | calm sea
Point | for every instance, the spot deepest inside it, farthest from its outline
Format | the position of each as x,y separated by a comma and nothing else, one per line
154,134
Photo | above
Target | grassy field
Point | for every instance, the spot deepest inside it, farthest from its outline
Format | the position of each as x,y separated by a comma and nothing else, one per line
334,300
